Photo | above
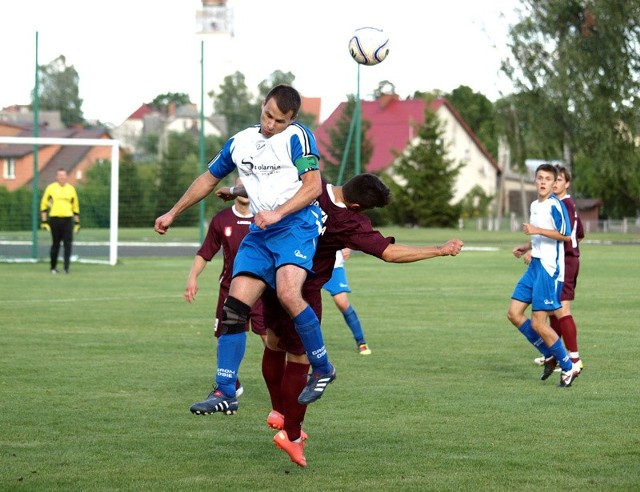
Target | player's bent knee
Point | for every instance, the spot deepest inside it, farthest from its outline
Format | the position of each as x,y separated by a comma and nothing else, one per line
234,316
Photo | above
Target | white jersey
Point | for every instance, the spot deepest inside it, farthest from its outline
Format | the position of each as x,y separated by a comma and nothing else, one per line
267,166
549,214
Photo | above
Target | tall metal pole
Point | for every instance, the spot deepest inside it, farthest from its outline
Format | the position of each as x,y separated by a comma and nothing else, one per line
358,126
34,202
201,204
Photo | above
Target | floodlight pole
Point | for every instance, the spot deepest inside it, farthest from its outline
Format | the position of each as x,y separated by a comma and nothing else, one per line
358,126
201,204
34,201
355,126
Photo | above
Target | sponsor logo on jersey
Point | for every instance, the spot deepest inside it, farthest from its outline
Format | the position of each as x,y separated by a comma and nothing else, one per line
227,231
246,166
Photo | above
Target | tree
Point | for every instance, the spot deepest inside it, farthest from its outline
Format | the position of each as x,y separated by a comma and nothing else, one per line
478,112
338,141
58,91
162,101
578,62
422,180
235,103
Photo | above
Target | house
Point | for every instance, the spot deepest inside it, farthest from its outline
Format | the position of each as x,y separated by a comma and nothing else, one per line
147,120
17,160
394,125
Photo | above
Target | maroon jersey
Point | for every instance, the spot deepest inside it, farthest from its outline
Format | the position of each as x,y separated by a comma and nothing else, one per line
227,229
571,248
343,228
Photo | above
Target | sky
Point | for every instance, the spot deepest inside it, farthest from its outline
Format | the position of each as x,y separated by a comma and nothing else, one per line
127,52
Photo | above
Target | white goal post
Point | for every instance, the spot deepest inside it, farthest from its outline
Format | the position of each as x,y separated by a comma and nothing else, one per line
115,166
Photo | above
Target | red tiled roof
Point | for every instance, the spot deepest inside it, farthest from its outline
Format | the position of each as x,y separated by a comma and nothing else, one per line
141,112
392,127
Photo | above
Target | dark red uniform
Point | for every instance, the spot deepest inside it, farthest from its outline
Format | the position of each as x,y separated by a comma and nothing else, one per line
571,251
343,228
226,230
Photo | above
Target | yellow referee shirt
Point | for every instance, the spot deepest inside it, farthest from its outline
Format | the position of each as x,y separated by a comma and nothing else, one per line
62,201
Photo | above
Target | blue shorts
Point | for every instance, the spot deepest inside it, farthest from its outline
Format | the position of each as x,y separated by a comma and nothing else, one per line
338,282
292,241
538,288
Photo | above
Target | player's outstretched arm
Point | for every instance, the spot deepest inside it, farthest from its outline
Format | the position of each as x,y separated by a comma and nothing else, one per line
201,187
402,253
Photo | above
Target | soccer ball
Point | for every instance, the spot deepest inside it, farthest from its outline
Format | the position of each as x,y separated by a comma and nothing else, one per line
369,45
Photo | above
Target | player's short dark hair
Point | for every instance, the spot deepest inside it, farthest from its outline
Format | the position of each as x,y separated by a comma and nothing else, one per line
287,99
548,167
367,190
565,172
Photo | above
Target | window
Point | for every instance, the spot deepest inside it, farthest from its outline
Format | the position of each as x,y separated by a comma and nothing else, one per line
9,168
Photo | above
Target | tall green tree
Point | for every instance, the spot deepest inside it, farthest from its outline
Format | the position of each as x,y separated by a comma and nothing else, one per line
578,62
479,113
59,91
236,103
339,140
422,180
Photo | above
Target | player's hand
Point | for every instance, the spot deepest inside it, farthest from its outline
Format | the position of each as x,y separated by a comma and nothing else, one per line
518,251
529,230
45,226
527,258
76,228
190,291
225,193
265,218
163,222
452,247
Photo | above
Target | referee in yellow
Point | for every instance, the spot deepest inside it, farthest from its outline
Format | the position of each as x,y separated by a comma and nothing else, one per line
60,214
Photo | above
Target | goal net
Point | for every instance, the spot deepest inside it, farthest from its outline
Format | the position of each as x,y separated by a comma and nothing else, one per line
23,240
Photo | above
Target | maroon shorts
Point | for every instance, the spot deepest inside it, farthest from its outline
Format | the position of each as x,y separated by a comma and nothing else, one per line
256,316
278,320
571,269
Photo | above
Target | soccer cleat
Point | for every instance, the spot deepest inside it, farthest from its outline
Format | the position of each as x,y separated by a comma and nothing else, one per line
550,364
315,386
275,420
579,362
54,271
295,450
216,402
539,361
567,377
364,349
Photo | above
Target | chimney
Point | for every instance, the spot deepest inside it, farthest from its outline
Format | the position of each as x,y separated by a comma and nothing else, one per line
385,99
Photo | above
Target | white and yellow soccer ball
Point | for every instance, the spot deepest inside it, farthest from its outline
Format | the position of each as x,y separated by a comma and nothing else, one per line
369,45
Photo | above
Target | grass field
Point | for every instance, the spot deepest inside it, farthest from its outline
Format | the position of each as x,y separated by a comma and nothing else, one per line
98,370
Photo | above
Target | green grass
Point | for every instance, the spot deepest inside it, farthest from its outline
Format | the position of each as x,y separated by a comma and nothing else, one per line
98,370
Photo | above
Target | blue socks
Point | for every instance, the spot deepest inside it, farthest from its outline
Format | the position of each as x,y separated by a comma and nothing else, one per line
535,340
308,328
351,317
230,354
559,352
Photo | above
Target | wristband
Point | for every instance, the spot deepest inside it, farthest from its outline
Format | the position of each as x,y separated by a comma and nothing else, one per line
232,190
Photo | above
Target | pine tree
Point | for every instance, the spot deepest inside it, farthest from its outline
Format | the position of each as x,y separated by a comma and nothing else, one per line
422,180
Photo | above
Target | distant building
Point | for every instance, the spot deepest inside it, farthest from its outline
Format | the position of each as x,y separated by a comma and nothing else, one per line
17,160
393,127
